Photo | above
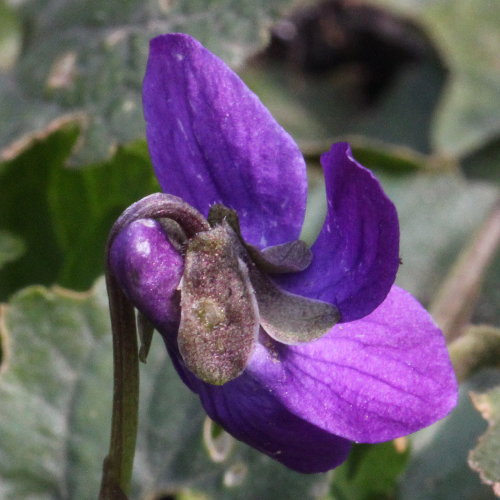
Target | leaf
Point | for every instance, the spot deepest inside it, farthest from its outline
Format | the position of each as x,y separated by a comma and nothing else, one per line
24,210
64,215
485,457
55,409
92,60
316,203
467,37
370,473
438,468
56,389
85,202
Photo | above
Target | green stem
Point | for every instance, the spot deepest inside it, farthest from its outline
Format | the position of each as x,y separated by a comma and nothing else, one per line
477,348
117,469
453,306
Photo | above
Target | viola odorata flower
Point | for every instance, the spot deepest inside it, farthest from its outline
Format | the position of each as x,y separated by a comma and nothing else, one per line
297,352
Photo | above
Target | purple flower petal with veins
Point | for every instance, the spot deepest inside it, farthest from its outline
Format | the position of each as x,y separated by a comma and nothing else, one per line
383,371
212,141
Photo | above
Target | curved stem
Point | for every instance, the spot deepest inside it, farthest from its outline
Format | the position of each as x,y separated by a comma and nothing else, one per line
161,206
117,469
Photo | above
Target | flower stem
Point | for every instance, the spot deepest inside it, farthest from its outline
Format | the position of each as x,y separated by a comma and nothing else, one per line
453,306
117,468
477,348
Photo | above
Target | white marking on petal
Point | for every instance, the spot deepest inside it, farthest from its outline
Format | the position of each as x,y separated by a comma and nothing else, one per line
148,223
181,127
143,247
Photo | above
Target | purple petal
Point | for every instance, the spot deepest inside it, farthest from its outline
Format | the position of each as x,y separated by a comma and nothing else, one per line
149,269
212,141
255,416
375,379
372,380
356,255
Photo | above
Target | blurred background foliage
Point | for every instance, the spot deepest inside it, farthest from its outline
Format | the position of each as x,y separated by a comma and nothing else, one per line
414,85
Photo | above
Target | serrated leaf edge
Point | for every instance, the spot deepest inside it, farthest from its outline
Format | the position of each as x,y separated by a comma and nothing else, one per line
478,400
54,291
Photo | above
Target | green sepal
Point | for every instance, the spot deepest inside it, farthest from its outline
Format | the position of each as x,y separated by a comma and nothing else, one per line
286,317
289,318
219,316
290,257
146,330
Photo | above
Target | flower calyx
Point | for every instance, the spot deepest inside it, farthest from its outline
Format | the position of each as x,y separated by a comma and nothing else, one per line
226,295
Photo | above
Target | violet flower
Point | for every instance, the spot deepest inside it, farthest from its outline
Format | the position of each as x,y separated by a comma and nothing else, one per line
382,371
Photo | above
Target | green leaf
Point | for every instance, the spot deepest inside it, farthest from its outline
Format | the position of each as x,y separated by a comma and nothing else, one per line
91,59
25,213
55,408
85,202
56,389
438,468
370,473
63,215
467,37
11,247
485,457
